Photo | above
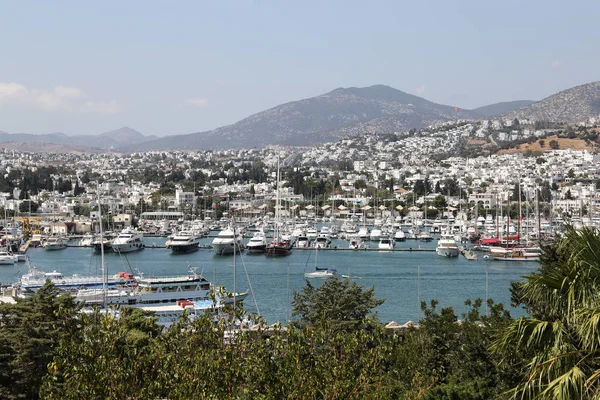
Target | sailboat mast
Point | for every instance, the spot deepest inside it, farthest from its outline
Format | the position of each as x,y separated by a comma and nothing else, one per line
104,271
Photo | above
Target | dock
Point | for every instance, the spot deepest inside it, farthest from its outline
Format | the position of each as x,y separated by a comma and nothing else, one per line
24,247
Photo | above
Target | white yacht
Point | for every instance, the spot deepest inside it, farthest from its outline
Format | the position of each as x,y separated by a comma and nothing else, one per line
183,242
35,279
363,233
128,240
258,243
312,233
356,244
322,242
7,258
226,241
399,236
322,273
386,243
86,240
55,243
446,246
375,234
302,241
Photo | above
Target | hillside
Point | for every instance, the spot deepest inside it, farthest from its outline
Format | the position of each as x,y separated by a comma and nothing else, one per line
494,110
341,112
577,104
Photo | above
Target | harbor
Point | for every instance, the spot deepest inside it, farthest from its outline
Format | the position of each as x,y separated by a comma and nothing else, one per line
411,273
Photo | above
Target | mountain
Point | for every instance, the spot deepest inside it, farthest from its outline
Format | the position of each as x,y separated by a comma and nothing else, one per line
497,109
339,113
577,104
106,140
126,136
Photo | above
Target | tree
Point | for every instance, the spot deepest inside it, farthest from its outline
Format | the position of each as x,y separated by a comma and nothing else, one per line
560,337
360,184
27,206
340,303
78,190
568,195
440,202
542,143
554,144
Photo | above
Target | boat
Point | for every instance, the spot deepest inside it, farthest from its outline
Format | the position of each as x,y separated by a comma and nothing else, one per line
102,241
227,241
386,243
258,243
425,237
363,233
55,243
7,258
399,236
279,247
35,279
183,242
312,233
86,240
375,235
513,254
322,242
129,240
322,273
302,241
356,244
446,246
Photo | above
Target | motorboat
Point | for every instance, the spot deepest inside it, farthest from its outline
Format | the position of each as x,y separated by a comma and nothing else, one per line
258,243
312,233
183,242
321,273
514,254
86,240
363,233
278,248
302,241
446,246
129,240
7,258
102,241
386,243
55,243
356,244
400,236
322,242
425,237
375,234
227,241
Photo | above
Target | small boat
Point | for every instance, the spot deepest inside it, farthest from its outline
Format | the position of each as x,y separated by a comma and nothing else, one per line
278,248
322,273
356,244
515,254
399,236
86,240
375,235
425,237
386,243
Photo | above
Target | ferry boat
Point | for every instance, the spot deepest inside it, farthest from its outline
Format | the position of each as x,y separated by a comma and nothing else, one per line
183,242
128,241
446,246
35,279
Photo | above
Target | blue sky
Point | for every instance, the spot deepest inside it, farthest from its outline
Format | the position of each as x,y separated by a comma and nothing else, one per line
186,66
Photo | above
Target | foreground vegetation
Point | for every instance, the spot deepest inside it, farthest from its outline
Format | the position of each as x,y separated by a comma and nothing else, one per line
336,348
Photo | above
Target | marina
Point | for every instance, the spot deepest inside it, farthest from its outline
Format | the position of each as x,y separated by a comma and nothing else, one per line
400,276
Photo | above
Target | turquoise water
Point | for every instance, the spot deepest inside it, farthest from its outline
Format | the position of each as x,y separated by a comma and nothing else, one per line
393,274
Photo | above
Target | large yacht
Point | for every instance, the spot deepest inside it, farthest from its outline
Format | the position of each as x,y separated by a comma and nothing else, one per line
128,240
446,246
258,243
226,241
183,242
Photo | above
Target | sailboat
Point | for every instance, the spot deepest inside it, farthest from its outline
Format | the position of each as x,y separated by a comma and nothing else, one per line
322,273
278,247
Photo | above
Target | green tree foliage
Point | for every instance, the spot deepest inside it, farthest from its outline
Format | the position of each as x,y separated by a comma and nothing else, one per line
340,302
554,144
560,338
30,332
27,206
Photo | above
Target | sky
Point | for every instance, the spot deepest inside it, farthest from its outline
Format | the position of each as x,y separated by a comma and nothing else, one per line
174,67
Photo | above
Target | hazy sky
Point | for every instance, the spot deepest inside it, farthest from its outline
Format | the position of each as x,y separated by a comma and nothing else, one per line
83,67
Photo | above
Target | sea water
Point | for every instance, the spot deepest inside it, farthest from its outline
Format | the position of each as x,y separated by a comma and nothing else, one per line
401,278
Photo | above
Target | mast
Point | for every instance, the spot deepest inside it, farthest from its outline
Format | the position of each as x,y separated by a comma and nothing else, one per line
104,270
519,220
